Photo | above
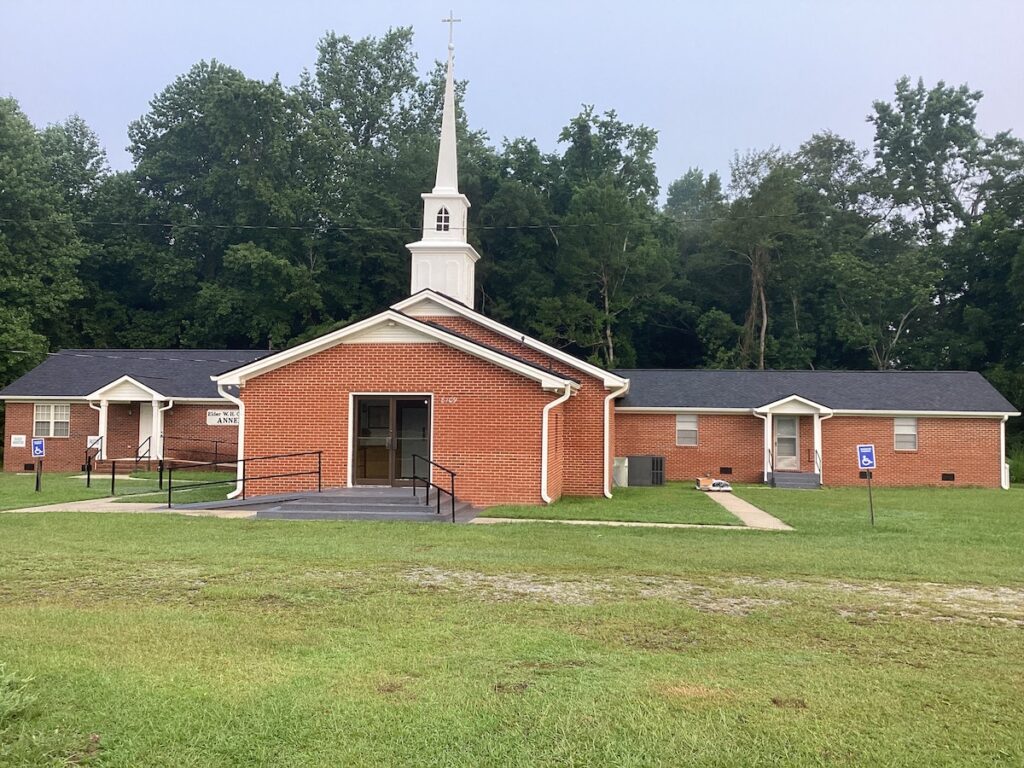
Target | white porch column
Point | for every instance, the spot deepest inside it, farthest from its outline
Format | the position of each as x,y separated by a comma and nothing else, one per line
103,430
156,418
768,429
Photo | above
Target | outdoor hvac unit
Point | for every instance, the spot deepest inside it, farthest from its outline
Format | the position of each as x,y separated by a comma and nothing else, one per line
646,470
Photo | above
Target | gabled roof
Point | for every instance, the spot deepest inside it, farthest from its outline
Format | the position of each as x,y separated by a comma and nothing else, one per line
546,378
895,391
181,373
453,306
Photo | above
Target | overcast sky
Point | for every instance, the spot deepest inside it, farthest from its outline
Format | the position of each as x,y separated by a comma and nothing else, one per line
712,77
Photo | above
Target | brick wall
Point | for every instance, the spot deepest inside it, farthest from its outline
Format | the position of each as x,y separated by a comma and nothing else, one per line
188,436
969,448
583,430
486,420
723,440
63,454
122,439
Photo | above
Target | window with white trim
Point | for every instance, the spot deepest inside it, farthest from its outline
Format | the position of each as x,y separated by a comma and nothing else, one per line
52,420
686,429
904,434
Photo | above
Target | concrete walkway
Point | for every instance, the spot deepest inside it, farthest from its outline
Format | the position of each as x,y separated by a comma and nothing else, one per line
613,523
752,517
110,505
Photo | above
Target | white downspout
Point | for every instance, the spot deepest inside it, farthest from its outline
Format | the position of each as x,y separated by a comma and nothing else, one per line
101,455
819,447
239,465
607,437
158,428
767,446
1004,468
544,442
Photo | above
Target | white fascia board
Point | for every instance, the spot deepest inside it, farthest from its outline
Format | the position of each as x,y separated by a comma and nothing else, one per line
930,414
609,379
239,376
793,399
98,394
673,409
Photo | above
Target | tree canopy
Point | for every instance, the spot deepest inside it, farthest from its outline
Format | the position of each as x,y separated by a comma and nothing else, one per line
259,214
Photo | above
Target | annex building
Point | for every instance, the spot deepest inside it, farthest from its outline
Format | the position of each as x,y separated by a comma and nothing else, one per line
516,419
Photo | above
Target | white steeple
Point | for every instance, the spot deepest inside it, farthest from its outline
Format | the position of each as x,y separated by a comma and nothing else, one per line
442,260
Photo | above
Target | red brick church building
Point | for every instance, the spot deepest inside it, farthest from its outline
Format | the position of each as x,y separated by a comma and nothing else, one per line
516,419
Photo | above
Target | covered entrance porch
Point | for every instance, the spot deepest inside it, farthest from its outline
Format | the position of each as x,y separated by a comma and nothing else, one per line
792,442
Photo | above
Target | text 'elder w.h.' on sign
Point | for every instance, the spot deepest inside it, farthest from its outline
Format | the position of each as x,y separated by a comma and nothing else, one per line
222,417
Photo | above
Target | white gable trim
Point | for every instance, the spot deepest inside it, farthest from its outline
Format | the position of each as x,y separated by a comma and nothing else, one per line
239,376
794,404
610,380
104,392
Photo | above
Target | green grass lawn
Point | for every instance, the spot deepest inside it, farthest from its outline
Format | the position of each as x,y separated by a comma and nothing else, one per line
17,490
671,503
173,641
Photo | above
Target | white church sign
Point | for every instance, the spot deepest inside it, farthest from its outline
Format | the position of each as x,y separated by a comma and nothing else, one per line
218,418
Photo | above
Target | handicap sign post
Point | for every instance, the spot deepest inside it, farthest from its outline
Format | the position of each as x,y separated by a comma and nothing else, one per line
866,463
38,453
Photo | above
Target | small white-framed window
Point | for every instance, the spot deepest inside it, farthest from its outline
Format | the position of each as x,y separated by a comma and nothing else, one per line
52,420
443,220
904,434
686,429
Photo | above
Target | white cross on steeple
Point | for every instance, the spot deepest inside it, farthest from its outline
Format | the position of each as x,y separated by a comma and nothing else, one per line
450,21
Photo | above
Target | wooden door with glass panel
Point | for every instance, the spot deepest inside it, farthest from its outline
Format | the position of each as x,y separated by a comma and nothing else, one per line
389,432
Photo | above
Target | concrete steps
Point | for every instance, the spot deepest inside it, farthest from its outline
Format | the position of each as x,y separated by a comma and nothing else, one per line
806,481
366,504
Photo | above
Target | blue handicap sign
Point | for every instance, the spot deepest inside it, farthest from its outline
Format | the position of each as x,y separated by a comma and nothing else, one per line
38,448
866,456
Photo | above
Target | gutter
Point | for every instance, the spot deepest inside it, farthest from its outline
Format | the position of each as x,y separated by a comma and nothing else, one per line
544,442
607,436
239,465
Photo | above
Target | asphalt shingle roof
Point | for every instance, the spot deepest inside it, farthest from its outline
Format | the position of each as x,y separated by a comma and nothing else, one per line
838,390
171,372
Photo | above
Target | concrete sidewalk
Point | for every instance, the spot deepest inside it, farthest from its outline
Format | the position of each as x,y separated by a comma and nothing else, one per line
752,517
109,504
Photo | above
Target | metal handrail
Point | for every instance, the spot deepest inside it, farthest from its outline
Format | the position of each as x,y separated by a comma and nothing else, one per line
430,483
817,462
216,445
244,478
139,455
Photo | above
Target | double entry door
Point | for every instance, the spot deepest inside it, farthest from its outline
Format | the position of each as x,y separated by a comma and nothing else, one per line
389,431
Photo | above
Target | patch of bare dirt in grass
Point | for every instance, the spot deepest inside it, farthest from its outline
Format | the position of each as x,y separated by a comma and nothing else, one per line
518,687
939,603
587,590
783,702
861,603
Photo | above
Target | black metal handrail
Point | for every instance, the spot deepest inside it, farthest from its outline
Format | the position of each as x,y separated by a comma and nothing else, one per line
430,483
245,477
215,452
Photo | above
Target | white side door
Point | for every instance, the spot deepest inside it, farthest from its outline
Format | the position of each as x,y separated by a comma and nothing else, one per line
787,443
145,431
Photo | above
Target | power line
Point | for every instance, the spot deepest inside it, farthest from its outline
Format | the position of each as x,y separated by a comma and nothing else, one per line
323,229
